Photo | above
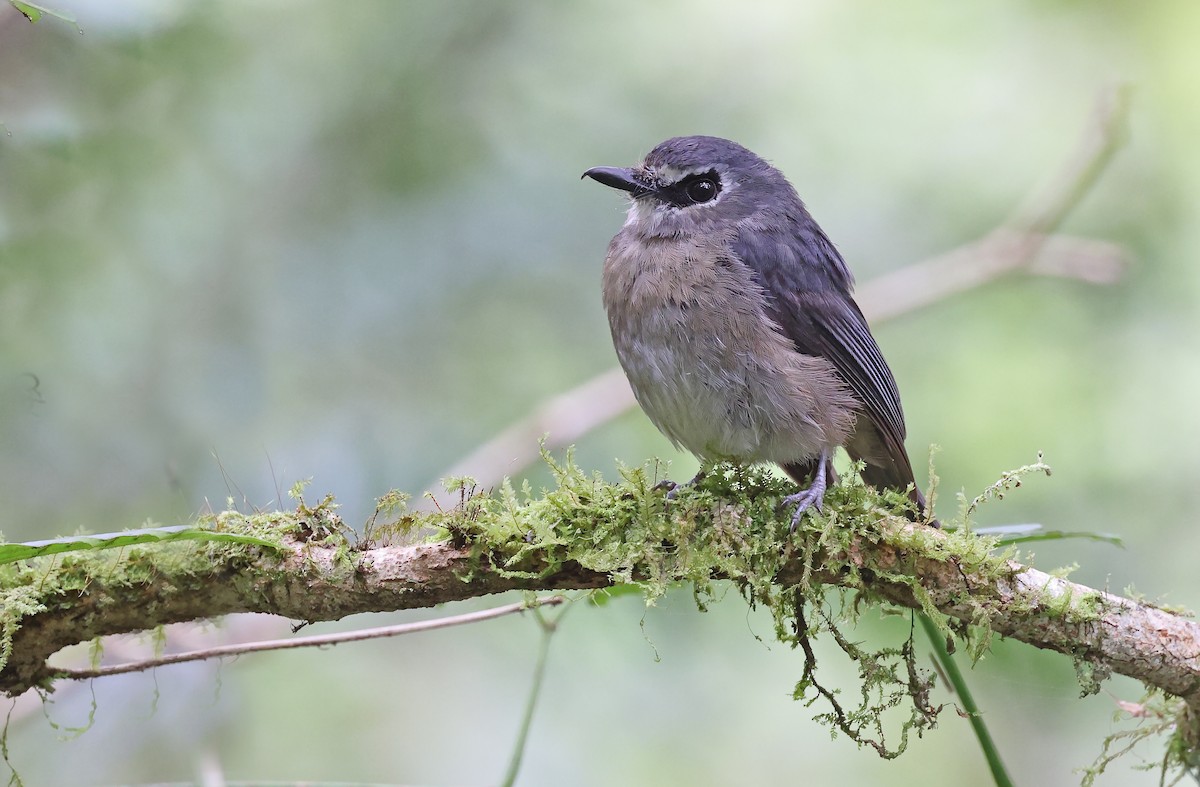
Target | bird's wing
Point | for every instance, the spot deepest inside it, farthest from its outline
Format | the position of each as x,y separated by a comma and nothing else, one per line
807,286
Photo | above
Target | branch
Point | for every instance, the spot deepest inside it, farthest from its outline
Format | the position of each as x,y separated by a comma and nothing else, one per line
587,535
89,597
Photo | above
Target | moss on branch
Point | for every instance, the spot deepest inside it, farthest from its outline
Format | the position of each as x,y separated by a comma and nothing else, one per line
586,533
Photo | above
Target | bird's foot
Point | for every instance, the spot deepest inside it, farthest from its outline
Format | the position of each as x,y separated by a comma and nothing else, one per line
812,497
666,485
804,500
672,488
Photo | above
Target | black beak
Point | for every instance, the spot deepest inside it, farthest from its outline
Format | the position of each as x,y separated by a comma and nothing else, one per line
619,178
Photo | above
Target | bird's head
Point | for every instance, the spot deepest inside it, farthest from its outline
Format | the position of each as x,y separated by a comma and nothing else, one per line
698,183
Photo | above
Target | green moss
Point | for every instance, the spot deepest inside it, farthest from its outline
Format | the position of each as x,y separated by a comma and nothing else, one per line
28,587
1090,676
1089,607
16,603
730,526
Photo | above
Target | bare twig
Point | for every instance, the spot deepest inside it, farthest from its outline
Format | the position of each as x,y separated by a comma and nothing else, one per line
313,641
1083,259
565,418
1016,243
1002,251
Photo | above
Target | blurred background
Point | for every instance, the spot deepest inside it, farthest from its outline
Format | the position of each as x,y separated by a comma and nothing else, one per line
243,244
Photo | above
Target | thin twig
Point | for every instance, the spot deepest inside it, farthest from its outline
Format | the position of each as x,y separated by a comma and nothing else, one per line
313,641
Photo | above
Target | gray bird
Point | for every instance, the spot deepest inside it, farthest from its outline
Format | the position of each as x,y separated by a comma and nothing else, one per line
732,317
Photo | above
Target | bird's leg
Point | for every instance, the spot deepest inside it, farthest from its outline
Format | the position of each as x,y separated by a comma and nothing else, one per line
673,488
813,495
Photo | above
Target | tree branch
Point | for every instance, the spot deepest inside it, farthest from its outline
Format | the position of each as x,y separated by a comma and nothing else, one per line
568,539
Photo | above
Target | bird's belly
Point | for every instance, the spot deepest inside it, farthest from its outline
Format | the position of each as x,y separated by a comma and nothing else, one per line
727,392
697,405
708,365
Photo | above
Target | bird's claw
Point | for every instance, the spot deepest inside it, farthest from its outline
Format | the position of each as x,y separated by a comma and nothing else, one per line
673,488
668,486
812,497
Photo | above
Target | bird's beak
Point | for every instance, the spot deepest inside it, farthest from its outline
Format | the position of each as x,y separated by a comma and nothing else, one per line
621,178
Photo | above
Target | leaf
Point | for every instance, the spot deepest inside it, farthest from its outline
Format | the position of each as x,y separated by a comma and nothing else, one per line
1055,535
1004,530
28,10
33,12
10,553
602,596
1024,533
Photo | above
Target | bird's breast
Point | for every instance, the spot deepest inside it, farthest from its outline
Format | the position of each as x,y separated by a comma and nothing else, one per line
707,363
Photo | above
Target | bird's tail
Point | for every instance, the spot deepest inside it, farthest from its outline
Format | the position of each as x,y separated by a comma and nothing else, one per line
886,466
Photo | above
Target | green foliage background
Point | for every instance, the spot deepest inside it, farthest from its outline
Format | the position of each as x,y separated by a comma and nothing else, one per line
246,243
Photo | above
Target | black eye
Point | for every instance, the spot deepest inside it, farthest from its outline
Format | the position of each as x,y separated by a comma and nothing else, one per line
701,189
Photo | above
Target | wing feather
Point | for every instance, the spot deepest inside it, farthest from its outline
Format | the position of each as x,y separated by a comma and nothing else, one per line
807,285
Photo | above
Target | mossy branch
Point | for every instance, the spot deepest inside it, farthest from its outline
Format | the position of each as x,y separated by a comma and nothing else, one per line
589,534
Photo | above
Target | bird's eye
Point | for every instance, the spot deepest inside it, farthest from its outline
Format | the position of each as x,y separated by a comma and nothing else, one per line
701,189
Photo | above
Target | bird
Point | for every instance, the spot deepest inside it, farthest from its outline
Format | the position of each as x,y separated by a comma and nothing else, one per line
732,315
